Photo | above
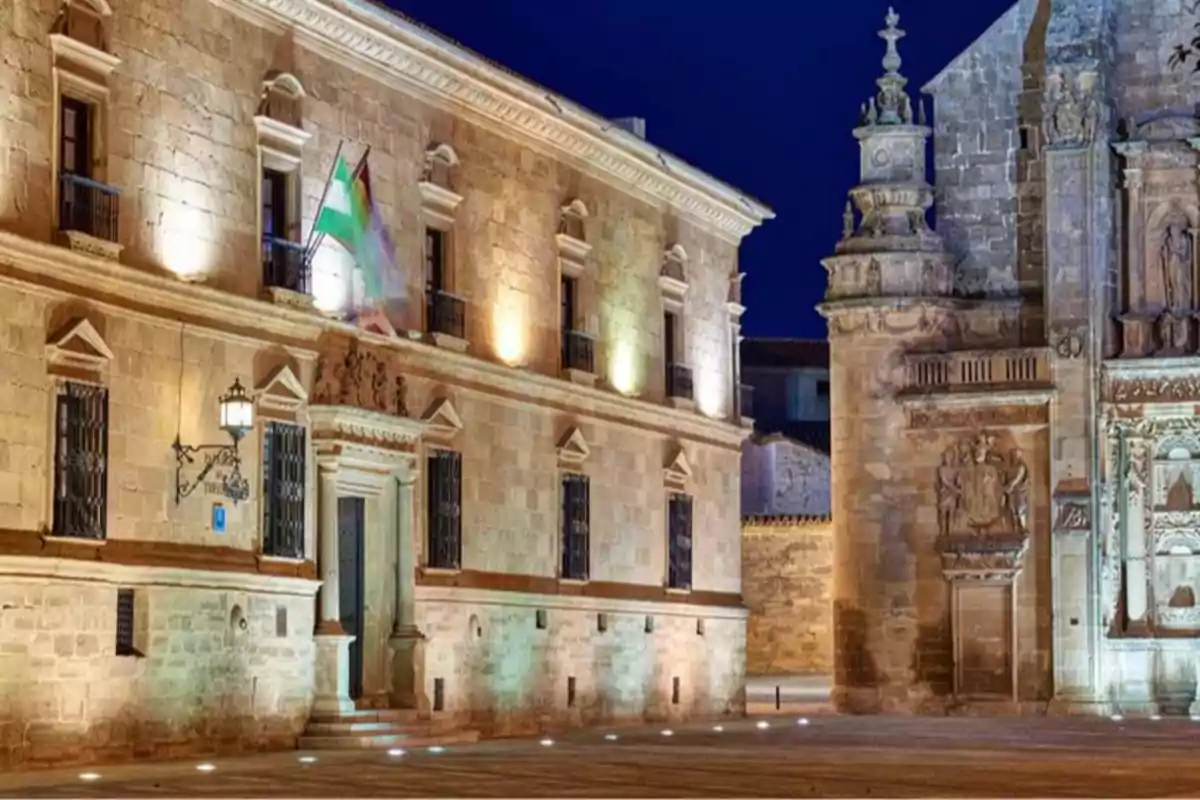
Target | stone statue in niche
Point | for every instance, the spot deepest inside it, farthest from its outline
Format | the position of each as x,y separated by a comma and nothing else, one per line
362,378
1176,263
1180,496
980,492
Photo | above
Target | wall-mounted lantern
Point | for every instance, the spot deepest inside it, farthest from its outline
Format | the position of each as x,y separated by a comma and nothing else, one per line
237,418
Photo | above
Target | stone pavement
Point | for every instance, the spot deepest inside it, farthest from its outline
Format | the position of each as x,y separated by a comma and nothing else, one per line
830,756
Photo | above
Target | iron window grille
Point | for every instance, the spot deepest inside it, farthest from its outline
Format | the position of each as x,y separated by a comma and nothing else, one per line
284,479
445,510
679,542
81,462
576,525
125,623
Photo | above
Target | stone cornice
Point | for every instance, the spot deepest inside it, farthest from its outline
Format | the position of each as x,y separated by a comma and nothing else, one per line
772,523
57,271
387,46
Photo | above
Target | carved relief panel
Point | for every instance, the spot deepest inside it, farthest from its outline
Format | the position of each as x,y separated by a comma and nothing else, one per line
353,374
1175,532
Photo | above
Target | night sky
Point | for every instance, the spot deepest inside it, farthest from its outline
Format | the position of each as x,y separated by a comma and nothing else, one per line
762,94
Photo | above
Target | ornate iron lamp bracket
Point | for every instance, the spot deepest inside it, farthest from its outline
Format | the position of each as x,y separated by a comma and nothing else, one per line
234,485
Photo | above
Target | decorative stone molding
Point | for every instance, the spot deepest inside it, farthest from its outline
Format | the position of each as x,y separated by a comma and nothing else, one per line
353,374
733,301
1174,389
573,248
1006,416
438,201
784,521
573,449
78,345
1068,339
982,492
678,470
400,54
281,391
1074,515
1070,108
442,421
944,372
968,558
342,430
672,275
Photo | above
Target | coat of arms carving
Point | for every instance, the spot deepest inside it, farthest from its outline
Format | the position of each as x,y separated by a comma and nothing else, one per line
981,492
358,376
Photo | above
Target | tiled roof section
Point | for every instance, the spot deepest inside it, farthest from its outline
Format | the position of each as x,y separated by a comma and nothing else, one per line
785,353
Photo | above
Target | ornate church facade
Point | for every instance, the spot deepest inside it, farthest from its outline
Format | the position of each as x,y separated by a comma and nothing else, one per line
1015,432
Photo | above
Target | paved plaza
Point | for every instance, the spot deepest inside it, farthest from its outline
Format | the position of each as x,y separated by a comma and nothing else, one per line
830,756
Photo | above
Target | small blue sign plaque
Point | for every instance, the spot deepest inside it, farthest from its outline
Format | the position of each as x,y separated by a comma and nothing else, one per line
218,518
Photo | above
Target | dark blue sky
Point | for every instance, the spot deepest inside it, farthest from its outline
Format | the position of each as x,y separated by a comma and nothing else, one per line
762,94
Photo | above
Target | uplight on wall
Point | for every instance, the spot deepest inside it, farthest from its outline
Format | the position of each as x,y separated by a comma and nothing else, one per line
710,391
331,283
622,367
184,239
510,317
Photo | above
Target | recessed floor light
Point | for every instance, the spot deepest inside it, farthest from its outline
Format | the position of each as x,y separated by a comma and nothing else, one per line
89,776
802,721
612,737
1116,718
206,767
668,732
437,748
546,742
395,752
308,759
718,728
762,725
1155,717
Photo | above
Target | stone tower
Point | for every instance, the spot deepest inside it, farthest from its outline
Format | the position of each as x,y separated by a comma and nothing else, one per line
889,294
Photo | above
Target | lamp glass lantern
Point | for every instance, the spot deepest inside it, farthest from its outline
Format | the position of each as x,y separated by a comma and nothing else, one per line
237,411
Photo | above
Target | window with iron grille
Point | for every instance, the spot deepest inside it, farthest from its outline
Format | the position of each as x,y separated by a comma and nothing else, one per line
81,461
679,542
125,623
576,523
284,451
444,522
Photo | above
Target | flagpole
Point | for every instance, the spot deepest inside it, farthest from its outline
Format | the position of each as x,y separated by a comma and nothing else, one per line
310,246
311,250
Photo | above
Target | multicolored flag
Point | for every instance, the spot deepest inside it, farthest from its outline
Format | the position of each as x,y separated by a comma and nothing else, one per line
349,216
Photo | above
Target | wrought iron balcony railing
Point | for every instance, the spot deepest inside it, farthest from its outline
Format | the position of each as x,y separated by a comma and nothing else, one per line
284,265
679,382
446,314
579,352
88,206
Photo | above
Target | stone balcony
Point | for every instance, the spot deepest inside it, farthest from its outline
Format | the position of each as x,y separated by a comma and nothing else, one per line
970,371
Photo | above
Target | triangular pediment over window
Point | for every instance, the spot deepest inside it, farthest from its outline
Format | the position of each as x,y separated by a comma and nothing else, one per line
573,449
441,419
282,390
78,344
679,469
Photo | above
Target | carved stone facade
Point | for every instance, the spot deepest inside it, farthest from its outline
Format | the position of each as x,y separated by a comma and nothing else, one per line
161,622
1015,446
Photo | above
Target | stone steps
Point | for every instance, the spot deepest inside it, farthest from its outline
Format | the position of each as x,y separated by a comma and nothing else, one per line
376,729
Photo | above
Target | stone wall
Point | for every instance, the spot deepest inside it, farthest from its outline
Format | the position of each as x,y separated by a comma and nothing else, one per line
783,477
787,580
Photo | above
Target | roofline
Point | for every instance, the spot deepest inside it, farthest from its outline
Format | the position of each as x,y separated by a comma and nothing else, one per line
764,439
929,88
368,38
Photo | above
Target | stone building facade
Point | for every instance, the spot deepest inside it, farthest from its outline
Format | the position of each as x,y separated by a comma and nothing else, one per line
783,477
461,510
1014,396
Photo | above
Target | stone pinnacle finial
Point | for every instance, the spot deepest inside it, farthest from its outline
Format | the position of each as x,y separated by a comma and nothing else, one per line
895,108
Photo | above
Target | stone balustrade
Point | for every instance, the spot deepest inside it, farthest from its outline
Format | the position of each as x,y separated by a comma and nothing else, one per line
971,370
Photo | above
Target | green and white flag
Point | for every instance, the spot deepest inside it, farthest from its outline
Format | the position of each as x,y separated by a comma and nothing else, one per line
338,216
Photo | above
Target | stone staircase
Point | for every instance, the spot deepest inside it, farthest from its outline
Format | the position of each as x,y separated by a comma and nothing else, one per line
369,729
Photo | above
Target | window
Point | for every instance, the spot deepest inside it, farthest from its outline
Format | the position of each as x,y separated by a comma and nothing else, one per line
435,260
679,542
822,388
75,143
669,333
284,461
445,510
275,216
576,521
81,462
568,296
283,258
125,623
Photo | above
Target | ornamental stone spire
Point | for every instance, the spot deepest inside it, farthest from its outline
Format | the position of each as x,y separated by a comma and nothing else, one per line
894,105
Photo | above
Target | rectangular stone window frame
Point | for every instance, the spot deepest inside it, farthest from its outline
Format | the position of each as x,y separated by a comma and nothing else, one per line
676,350
439,205
674,586
59,386
280,149
583,322
282,398
131,637
560,530
82,73
425,518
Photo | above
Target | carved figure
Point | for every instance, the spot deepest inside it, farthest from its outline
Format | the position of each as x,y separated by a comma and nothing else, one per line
1175,261
980,492
361,378
1016,492
948,490
1070,113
